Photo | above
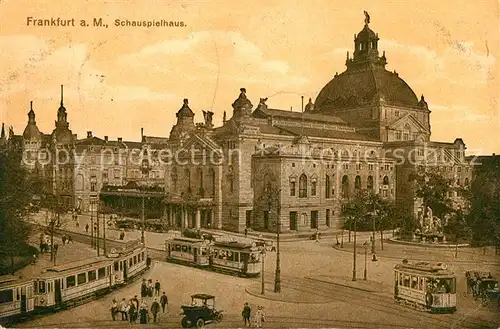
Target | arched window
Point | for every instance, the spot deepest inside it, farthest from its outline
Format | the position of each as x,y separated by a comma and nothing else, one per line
345,186
327,187
200,177
406,132
386,180
293,185
187,173
79,182
369,183
314,185
466,183
303,186
357,182
212,178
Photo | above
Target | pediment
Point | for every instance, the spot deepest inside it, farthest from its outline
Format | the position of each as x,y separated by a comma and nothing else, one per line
408,121
200,144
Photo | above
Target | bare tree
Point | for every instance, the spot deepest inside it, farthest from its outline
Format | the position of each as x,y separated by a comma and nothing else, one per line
56,208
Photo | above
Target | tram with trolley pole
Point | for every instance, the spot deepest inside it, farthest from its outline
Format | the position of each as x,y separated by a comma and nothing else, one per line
230,257
70,284
425,286
16,298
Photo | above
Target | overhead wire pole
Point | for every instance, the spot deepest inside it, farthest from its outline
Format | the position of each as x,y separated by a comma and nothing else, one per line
354,254
97,233
143,219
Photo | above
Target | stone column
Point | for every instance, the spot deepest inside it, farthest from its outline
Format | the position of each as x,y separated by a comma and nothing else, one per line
198,219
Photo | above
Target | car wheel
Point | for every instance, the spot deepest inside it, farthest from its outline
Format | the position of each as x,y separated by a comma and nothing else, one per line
200,323
185,323
220,316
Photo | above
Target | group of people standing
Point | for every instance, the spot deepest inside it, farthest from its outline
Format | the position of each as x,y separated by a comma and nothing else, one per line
259,317
133,309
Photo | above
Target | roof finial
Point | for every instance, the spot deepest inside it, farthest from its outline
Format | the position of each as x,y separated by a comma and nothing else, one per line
2,135
185,101
62,95
31,105
367,18
302,97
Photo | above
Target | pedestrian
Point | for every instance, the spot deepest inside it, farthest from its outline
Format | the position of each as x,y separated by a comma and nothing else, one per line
163,301
114,309
64,240
144,289
246,314
123,309
143,313
136,303
155,309
70,239
246,231
259,317
157,288
317,235
34,259
56,246
87,228
150,288
131,311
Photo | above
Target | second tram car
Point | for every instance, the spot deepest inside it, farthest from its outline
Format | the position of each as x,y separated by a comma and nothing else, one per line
16,298
230,257
425,286
239,258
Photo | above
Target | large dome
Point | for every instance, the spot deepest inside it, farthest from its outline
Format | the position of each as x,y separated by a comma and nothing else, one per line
354,88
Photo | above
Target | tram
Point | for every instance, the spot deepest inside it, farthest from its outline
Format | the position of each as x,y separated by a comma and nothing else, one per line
232,257
425,286
16,298
71,284
235,257
188,251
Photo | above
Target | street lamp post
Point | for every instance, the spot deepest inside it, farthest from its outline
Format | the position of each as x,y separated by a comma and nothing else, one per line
354,254
277,281
143,220
366,253
92,229
263,255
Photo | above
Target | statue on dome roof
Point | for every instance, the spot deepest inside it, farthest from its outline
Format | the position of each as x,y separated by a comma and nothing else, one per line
367,17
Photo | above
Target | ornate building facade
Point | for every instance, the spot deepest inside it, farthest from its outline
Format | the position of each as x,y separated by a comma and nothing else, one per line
366,130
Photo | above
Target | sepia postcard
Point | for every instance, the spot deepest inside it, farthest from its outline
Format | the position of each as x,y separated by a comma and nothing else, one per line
265,163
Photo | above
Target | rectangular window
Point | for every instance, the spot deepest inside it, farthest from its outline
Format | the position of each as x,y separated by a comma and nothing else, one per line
91,275
358,166
370,166
81,278
345,166
313,188
130,262
135,260
116,173
6,296
386,167
398,135
116,266
70,281
101,273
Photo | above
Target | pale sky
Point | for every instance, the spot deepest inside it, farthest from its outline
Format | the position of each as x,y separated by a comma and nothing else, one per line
119,79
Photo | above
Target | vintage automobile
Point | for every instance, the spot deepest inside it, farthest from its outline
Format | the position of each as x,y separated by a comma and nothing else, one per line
201,311
488,292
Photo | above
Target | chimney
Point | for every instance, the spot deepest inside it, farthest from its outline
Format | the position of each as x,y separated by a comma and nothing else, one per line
120,139
142,133
493,154
89,134
106,138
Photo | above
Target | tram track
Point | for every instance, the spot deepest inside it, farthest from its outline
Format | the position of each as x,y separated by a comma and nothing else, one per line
378,303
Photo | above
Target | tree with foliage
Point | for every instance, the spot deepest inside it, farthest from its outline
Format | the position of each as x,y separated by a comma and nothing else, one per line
458,226
484,215
371,212
55,207
434,190
15,199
